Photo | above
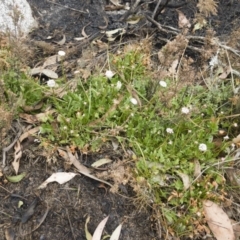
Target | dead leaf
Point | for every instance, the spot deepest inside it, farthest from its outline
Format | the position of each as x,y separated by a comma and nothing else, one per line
29,133
28,118
173,68
49,73
73,160
183,22
98,232
218,221
17,156
116,3
134,19
197,168
83,31
33,108
60,177
16,179
87,233
81,168
101,162
116,233
61,42
79,38
225,73
50,61
236,228
36,71
115,144
10,234
43,117
85,73
186,180
236,139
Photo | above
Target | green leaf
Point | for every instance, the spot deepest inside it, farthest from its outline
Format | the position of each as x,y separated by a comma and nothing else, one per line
15,179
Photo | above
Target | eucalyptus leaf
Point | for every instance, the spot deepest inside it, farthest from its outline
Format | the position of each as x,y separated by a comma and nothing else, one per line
17,178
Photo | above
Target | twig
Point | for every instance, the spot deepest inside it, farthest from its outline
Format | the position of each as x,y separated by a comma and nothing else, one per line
156,8
73,9
70,224
159,25
132,10
236,52
6,149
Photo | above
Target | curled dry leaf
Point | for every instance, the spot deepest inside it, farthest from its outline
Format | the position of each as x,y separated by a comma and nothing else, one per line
60,177
218,221
83,31
87,233
62,41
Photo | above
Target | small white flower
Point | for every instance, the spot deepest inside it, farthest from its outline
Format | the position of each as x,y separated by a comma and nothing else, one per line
109,74
61,53
170,142
134,101
163,84
189,131
51,83
202,147
119,85
65,127
72,132
226,137
185,110
235,125
169,130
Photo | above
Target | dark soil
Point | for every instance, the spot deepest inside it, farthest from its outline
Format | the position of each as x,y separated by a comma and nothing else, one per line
70,203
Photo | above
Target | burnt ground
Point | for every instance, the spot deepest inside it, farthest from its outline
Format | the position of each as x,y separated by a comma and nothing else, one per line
69,204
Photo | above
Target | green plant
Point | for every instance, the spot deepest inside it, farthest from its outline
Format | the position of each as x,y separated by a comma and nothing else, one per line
172,135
